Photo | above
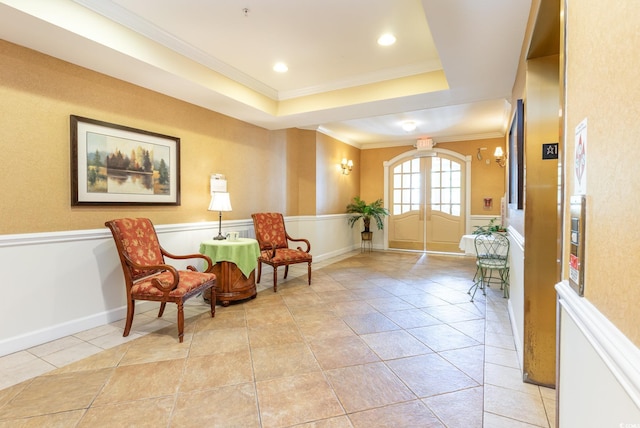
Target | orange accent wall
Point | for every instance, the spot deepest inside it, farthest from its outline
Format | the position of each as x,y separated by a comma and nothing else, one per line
334,189
265,170
292,171
487,180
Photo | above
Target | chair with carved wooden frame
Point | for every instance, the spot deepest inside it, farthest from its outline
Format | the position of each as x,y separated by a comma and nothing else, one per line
273,240
148,277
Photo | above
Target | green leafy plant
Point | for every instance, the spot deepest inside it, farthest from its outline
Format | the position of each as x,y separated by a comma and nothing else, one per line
361,210
490,228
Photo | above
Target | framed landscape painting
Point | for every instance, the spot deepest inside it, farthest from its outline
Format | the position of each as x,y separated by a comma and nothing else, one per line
118,165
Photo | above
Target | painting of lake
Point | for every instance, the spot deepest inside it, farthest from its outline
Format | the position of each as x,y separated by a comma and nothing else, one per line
117,165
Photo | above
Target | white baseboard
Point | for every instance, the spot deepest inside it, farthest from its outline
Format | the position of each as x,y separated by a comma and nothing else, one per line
78,284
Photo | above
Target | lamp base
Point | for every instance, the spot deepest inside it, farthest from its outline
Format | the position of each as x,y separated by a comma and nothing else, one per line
219,237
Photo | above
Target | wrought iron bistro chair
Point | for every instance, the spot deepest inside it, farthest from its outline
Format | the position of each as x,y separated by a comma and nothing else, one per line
273,240
148,277
492,255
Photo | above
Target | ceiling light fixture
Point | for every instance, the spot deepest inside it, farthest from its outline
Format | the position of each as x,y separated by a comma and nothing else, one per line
386,39
280,67
409,126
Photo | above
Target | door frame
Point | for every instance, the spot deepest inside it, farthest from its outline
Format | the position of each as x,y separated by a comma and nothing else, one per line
466,159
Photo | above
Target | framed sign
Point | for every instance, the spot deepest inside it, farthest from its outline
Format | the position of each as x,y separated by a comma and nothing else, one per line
118,165
516,159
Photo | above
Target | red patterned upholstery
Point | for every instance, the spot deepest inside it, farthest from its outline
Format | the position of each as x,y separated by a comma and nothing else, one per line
148,277
273,240
270,231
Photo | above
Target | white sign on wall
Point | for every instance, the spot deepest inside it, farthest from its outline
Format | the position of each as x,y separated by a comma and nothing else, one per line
580,159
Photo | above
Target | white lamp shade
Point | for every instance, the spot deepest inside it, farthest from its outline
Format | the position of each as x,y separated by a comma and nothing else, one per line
220,202
498,153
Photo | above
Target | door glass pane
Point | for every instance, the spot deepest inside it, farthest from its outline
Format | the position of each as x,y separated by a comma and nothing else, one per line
446,179
435,179
415,196
415,181
446,176
455,179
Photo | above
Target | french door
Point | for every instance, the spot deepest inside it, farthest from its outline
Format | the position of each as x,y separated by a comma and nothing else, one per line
427,200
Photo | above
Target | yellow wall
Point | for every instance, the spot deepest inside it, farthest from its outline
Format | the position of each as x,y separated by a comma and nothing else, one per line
372,174
486,180
603,87
334,189
266,170
291,171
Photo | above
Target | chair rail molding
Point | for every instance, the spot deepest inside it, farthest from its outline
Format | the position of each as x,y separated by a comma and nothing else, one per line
83,266
591,345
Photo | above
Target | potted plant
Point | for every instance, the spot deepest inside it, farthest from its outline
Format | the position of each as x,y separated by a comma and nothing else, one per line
361,210
490,228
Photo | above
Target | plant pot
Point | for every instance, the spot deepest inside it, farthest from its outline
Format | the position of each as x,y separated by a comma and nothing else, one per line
366,236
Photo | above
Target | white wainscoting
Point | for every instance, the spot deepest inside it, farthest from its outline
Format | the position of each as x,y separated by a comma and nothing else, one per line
516,290
476,221
60,283
599,367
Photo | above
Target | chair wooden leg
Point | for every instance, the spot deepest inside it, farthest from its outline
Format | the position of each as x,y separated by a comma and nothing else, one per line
162,306
259,272
286,271
275,279
181,320
130,310
213,301
309,272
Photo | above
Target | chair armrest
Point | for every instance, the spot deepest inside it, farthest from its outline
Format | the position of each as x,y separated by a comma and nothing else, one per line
155,282
190,256
306,241
271,253
165,290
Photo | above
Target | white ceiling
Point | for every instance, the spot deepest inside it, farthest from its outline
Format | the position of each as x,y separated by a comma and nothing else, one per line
451,70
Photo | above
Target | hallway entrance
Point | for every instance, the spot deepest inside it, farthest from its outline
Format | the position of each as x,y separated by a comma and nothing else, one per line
427,200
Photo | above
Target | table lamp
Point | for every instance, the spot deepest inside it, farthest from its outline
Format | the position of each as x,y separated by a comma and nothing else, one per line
220,202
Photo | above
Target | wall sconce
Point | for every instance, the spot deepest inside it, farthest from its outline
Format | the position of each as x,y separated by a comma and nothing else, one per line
346,165
501,159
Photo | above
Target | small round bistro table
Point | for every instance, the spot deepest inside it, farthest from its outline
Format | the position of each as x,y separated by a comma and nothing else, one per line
234,266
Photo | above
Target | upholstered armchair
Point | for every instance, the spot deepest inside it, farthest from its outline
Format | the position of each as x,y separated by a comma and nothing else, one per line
273,240
148,277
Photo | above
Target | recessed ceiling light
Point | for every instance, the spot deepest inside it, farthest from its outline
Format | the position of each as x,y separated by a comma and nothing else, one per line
409,126
280,67
386,39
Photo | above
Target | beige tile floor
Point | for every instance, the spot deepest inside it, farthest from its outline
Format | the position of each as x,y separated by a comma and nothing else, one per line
381,339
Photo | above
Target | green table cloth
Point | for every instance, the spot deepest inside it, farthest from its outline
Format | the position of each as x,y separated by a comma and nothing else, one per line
244,252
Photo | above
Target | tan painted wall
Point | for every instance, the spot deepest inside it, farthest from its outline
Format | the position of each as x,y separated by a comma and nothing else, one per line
486,180
603,87
266,170
372,176
300,171
334,189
